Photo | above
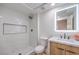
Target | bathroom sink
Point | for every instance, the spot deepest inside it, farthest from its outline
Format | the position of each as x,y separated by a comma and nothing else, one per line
65,41
70,40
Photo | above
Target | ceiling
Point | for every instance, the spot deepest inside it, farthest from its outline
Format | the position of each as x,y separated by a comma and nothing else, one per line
34,5
42,7
38,7
28,8
19,7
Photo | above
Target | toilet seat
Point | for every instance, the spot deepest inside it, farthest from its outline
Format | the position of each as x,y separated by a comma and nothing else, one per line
39,49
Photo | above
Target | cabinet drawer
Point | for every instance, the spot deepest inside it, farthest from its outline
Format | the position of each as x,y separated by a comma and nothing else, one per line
61,45
52,48
75,49
72,49
60,49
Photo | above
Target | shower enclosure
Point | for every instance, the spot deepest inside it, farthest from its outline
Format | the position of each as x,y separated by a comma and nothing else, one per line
18,32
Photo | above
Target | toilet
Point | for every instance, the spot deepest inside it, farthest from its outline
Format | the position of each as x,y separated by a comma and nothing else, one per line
42,44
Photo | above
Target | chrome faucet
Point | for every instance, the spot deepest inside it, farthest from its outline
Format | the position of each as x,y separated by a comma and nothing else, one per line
63,36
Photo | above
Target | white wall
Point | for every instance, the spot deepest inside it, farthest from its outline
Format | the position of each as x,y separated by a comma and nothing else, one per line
46,23
13,43
33,35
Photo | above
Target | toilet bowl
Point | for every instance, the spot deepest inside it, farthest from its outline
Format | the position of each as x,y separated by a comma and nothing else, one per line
42,43
39,49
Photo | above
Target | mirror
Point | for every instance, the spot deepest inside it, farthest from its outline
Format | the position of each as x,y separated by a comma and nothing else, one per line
66,19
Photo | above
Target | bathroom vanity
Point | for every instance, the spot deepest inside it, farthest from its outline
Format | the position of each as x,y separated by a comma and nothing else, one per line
63,47
66,20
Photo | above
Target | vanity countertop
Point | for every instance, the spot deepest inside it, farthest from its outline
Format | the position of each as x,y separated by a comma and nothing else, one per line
71,42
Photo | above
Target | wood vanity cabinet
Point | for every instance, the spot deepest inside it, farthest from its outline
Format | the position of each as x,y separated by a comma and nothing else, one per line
62,49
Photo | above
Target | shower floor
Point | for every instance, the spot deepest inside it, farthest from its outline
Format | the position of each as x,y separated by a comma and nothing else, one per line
28,51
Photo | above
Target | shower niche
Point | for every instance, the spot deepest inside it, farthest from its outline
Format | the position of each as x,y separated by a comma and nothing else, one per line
14,28
66,19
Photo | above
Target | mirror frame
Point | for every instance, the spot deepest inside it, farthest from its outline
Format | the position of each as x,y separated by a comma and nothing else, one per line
76,19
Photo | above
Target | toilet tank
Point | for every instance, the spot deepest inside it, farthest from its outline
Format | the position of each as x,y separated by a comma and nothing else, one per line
43,41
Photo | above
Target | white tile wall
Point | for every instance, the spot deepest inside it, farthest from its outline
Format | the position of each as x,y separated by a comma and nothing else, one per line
13,43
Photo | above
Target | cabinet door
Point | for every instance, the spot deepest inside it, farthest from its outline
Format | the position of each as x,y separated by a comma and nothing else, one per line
52,48
56,49
59,51
68,52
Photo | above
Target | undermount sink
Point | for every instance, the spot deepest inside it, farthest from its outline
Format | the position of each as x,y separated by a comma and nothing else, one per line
62,39
72,42
69,40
